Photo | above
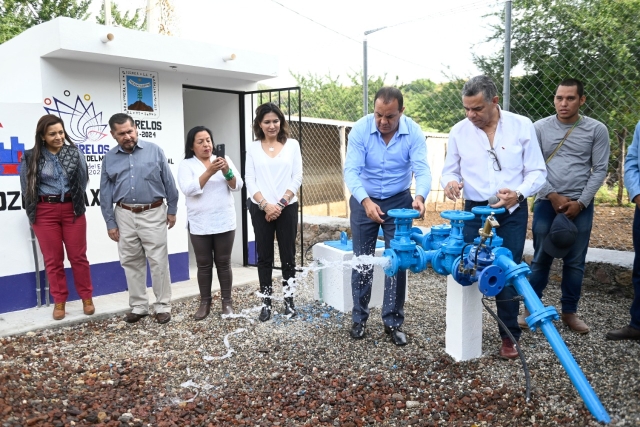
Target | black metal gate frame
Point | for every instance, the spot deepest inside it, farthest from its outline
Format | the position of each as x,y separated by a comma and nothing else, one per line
243,150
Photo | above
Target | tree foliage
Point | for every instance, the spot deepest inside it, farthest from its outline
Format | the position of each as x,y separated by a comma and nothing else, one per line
17,16
435,106
325,97
137,21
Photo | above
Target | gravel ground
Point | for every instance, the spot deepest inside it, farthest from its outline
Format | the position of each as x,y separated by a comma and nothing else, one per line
308,371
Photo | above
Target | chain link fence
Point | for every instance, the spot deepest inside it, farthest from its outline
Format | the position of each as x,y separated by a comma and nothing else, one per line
591,40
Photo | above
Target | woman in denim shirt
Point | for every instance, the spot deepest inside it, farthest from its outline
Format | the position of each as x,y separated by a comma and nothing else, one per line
53,177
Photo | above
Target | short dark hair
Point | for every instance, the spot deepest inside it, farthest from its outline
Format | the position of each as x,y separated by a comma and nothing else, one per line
574,82
480,84
262,111
120,119
387,94
191,137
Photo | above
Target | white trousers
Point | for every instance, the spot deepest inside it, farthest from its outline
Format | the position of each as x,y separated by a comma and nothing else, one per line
143,236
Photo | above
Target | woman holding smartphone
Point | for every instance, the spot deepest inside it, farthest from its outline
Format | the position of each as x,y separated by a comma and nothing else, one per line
274,175
208,181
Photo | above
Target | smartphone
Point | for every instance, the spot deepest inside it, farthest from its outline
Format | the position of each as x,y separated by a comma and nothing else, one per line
220,150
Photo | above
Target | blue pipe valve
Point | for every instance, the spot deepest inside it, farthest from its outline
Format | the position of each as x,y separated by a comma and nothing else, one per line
493,268
404,253
484,212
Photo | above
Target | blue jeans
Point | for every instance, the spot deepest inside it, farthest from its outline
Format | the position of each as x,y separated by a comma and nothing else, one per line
573,266
513,230
635,278
364,234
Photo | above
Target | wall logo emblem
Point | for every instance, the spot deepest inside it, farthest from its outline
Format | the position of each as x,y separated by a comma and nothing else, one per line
10,157
139,93
84,126
82,122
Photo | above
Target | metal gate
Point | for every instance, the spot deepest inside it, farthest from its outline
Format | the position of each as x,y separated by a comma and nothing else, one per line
290,102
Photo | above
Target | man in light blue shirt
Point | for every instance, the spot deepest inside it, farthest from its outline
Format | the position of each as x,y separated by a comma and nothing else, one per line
632,182
385,150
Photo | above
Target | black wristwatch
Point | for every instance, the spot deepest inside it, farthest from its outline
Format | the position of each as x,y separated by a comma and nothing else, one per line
520,196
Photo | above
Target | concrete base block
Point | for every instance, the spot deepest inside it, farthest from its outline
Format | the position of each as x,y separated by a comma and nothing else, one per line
464,321
333,284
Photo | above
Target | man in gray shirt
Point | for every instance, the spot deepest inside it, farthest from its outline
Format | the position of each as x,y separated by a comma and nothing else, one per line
136,177
576,151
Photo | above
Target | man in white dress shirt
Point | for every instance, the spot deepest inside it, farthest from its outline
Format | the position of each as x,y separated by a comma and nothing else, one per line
495,153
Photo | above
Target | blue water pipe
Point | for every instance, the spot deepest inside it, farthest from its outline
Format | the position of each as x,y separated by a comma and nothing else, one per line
491,266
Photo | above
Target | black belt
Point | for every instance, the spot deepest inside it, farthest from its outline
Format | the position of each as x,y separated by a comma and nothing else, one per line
54,199
140,208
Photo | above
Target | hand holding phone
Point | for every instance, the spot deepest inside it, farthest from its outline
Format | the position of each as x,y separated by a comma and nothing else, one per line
220,150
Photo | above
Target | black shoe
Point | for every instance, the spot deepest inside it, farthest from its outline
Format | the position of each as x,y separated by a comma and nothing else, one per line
289,308
134,317
626,333
265,313
357,330
163,317
398,337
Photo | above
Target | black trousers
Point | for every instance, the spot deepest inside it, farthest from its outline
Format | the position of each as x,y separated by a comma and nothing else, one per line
285,229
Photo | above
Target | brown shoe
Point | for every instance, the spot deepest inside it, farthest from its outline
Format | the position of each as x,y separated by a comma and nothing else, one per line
134,317
508,349
163,317
88,307
574,323
204,309
58,311
626,333
522,322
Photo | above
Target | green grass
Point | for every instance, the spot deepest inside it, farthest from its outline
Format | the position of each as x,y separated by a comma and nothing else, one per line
606,196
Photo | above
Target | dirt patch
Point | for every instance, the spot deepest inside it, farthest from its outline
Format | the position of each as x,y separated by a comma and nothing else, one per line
611,225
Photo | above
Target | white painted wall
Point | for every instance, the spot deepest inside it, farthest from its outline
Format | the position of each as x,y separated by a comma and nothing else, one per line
100,84
66,80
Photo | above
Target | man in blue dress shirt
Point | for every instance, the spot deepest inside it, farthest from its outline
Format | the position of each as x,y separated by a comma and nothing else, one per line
632,182
136,177
385,150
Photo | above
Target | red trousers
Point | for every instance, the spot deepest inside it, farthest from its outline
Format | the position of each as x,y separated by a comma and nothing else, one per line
55,227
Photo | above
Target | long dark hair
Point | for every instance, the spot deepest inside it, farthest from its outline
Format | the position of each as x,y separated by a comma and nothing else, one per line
262,111
32,165
191,137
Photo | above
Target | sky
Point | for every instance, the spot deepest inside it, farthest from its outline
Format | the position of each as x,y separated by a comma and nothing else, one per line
423,38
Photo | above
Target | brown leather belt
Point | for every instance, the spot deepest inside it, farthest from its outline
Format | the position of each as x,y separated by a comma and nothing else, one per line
140,208
54,199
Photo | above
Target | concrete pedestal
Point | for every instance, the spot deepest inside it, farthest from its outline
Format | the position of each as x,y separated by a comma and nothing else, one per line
333,284
464,321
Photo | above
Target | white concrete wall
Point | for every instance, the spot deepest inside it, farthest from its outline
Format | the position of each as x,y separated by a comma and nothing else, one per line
86,94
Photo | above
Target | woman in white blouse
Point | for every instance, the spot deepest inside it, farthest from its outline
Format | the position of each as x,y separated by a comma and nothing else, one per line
207,182
273,176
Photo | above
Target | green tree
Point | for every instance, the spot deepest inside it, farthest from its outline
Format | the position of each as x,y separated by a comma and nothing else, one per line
435,107
325,97
596,41
137,21
17,16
